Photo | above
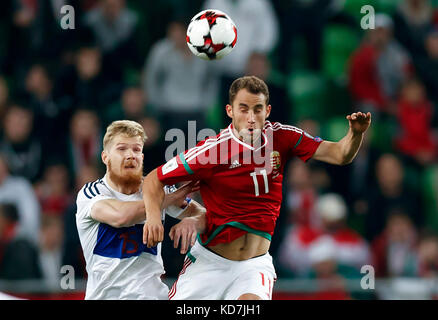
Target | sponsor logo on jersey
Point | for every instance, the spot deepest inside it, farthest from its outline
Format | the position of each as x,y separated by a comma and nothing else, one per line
235,164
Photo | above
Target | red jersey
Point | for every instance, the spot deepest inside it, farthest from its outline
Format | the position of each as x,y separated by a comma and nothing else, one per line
241,185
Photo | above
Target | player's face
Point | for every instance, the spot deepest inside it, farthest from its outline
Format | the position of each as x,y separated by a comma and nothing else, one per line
248,113
124,159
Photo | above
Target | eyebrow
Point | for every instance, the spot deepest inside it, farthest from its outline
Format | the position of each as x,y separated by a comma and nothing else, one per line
124,143
246,106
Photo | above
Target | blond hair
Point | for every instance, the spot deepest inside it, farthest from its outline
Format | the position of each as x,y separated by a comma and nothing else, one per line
126,127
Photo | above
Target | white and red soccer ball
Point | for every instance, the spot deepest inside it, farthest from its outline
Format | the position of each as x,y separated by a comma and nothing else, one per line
211,34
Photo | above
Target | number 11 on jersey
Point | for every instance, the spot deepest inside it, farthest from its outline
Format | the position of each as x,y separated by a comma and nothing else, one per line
256,184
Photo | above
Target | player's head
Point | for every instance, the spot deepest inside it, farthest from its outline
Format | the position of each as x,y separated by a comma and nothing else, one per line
248,106
123,152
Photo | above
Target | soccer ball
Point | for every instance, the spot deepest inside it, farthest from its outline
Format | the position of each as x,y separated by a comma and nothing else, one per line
211,35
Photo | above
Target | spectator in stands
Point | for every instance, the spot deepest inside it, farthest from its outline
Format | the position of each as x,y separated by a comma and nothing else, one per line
19,192
53,190
412,20
132,106
84,140
49,119
180,86
360,177
86,82
378,67
50,250
18,255
307,18
331,276
427,254
351,249
394,250
302,196
252,35
22,149
415,113
4,97
391,192
114,27
427,68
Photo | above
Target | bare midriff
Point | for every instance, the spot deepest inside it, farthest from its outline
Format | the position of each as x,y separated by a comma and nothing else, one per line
243,248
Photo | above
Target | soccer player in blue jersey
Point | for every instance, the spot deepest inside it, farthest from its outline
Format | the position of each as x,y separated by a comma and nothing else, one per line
110,217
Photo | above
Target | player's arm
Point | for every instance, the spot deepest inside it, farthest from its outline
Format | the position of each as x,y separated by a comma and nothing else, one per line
118,213
153,197
345,150
193,221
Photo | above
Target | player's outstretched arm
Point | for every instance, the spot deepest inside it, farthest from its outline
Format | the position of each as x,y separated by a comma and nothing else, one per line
345,150
153,197
193,221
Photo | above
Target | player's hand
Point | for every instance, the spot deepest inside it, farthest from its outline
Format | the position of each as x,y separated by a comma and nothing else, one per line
184,231
359,121
153,232
178,198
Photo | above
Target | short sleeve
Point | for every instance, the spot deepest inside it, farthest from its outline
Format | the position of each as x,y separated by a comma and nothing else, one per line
193,164
306,145
175,211
87,197
296,141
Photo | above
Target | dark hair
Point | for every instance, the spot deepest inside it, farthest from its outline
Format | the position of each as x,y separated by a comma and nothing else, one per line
252,84
9,211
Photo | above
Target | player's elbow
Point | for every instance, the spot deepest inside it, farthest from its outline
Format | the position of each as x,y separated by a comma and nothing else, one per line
345,161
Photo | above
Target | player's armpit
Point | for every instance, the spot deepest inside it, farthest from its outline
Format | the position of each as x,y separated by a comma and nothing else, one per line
118,213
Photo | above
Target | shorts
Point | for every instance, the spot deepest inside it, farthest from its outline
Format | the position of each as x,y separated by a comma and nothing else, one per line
208,276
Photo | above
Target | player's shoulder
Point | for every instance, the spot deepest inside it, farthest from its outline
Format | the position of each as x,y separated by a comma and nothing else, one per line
278,127
213,140
93,189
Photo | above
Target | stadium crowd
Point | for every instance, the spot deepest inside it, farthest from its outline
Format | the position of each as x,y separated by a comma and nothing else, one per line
59,89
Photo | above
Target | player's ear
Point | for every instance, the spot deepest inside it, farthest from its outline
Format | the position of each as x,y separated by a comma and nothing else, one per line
268,110
229,110
104,157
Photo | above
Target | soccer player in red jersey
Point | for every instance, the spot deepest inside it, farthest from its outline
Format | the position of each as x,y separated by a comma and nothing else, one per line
241,173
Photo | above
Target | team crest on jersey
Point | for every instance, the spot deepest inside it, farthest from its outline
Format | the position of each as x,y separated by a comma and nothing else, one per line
275,163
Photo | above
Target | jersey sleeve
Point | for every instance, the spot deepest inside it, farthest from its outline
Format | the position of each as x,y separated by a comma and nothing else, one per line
194,164
91,193
175,211
300,143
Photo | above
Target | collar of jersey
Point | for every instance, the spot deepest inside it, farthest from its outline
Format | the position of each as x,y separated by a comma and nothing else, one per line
265,140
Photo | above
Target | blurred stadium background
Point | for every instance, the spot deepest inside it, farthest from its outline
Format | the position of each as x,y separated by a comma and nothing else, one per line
59,89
